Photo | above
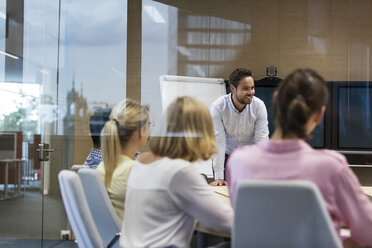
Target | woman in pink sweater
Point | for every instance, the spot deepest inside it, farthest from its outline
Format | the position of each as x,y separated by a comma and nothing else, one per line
298,106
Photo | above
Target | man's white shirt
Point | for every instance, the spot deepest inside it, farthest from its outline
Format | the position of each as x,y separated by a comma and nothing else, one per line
233,128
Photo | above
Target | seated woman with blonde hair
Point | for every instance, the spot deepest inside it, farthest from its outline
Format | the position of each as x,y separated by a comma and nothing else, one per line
165,192
126,132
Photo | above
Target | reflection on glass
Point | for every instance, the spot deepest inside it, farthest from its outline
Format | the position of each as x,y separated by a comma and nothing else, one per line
212,41
186,43
316,30
23,112
92,64
71,61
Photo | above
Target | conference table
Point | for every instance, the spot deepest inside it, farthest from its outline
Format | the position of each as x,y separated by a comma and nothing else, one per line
223,193
202,232
367,191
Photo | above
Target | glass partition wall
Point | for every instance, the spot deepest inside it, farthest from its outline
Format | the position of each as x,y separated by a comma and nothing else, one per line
60,60
28,74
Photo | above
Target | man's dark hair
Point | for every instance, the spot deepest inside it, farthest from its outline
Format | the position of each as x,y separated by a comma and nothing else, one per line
96,123
238,74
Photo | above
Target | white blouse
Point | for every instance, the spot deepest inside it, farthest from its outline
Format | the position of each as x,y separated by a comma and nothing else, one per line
163,201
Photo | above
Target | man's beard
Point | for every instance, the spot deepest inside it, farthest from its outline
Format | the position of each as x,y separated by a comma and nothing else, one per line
241,100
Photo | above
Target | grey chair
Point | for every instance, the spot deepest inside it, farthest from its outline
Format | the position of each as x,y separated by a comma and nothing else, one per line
107,222
77,210
282,214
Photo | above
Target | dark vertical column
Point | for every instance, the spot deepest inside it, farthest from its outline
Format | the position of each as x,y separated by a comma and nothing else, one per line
14,40
134,49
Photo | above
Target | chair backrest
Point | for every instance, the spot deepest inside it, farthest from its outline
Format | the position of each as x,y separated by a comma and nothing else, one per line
77,209
103,213
77,167
282,214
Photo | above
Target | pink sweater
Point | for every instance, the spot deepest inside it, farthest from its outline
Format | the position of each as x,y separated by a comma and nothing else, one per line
296,160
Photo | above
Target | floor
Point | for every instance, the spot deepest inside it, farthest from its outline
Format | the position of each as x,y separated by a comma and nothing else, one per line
21,221
33,243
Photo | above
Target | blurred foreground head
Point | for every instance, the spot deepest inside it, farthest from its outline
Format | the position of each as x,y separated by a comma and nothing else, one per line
298,97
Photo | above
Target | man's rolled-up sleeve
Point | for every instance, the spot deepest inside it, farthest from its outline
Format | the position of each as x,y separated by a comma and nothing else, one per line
261,129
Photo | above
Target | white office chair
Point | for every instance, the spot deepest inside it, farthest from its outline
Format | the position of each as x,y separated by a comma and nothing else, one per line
282,214
103,213
77,167
77,210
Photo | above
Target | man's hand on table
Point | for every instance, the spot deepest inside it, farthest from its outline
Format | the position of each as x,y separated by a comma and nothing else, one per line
218,183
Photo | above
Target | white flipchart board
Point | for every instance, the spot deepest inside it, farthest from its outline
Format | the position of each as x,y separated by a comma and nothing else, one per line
207,90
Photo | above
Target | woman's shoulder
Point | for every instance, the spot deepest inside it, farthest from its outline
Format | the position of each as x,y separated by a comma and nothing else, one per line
166,163
101,168
147,157
244,156
331,156
245,150
329,162
157,174
124,166
175,165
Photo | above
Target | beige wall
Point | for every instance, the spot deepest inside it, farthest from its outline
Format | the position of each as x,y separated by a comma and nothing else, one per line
332,37
329,36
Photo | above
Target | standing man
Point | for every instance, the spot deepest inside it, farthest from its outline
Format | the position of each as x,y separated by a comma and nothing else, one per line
239,119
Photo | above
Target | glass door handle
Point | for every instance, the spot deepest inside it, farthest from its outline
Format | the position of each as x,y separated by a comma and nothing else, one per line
44,151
